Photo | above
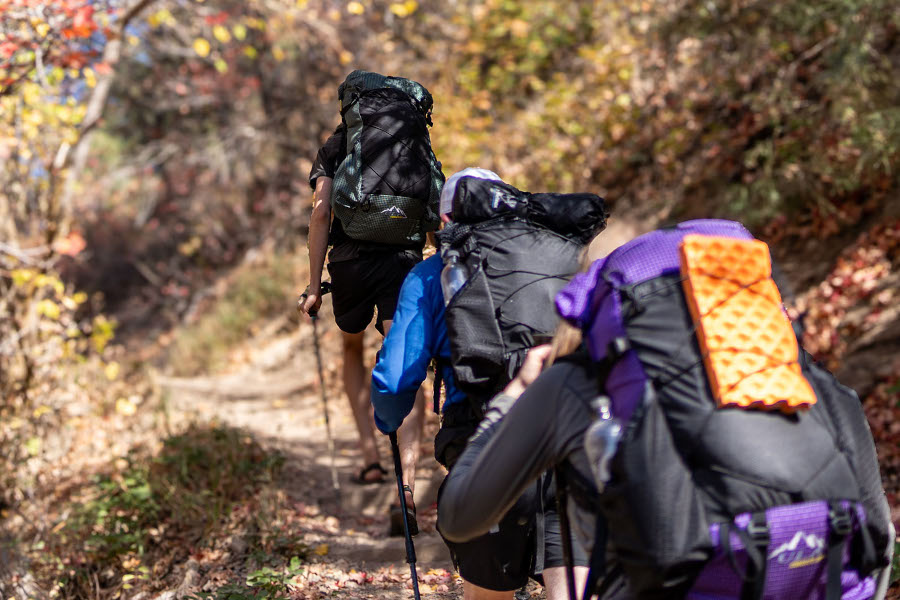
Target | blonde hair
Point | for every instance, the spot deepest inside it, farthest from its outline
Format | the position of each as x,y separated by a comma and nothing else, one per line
567,337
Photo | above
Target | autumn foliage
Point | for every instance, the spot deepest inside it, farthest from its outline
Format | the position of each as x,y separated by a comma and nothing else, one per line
152,150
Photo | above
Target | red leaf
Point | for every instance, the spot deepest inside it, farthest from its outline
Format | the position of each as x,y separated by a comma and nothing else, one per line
7,49
217,19
71,245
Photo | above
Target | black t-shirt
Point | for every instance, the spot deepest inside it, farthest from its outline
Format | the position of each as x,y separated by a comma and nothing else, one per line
343,247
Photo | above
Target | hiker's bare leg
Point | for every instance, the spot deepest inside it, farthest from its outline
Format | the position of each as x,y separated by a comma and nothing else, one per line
409,436
555,582
473,592
357,391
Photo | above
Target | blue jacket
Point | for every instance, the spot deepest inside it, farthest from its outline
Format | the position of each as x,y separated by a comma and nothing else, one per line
418,334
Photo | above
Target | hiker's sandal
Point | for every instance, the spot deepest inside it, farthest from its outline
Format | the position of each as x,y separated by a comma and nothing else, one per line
360,478
396,529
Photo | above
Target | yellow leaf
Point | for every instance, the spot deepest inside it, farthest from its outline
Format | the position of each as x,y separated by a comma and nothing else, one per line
321,549
239,31
21,276
90,78
42,29
41,410
250,52
80,297
355,8
221,66
49,309
221,34
201,47
161,17
278,54
345,57
404,9
125,407
33,446
111,371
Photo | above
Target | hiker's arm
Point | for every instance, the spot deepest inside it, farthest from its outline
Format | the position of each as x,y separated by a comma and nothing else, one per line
403,359
502,459
319,224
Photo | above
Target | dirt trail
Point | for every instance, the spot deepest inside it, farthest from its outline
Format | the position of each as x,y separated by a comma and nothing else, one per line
276,396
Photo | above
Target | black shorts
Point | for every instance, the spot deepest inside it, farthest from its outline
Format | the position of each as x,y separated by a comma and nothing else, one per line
361,285
553,548
502,559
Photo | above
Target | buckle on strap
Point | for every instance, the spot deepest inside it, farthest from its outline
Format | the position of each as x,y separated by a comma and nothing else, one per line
758,530
617,347
840,520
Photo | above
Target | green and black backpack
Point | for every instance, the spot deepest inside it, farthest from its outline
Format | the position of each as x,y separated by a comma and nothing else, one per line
387,188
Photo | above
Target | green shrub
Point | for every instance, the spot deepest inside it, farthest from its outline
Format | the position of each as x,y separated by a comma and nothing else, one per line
182,495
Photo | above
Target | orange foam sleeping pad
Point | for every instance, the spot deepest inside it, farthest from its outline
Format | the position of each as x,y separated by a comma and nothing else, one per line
750,351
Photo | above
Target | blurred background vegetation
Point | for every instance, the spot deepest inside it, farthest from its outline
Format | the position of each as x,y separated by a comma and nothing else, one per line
154,155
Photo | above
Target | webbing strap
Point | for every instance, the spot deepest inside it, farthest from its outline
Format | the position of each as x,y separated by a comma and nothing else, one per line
840,524
757,554
755,539
597,562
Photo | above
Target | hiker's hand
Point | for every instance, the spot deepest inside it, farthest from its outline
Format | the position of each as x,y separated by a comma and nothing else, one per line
531,368
309,303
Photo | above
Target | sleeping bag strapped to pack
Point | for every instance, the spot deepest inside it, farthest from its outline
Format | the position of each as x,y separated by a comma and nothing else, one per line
387,188
730,464
516,250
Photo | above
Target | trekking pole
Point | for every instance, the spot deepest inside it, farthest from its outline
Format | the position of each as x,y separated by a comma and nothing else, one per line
410,548
565,531
314,317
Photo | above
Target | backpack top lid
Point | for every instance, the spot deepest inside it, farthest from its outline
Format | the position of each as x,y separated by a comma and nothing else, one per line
578,217
360,81
588,300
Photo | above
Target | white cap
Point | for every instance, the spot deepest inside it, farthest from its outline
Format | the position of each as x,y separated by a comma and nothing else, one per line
449,189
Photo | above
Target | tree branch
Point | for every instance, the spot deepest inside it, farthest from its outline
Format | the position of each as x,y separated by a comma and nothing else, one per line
59,215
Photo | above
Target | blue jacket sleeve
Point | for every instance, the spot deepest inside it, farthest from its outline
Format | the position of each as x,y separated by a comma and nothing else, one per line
402,362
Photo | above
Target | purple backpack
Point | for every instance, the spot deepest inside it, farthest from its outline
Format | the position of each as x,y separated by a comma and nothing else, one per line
704,502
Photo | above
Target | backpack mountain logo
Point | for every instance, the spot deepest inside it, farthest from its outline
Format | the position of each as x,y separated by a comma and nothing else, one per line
794,555
394,212
499,196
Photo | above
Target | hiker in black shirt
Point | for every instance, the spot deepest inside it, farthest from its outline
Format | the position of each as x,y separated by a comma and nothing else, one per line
366,279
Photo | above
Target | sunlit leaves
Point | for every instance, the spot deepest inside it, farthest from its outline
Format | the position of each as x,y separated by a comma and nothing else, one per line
201,47
404,9
38,36
221,34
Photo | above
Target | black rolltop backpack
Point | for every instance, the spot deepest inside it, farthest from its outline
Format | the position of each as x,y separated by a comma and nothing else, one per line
518,250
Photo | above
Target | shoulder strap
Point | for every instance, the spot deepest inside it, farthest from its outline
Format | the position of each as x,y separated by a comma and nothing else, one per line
565,530
597,561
